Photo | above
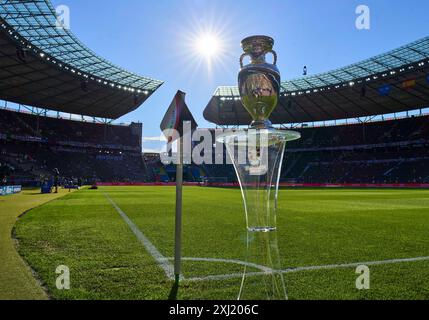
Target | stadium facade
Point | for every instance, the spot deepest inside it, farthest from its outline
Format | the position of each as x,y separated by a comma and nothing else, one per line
44,67
358,147
42,64
392,82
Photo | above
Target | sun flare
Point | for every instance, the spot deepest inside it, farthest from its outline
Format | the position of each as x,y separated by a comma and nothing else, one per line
205,43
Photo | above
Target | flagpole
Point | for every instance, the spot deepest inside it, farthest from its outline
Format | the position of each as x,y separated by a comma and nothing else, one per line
178,229
176,116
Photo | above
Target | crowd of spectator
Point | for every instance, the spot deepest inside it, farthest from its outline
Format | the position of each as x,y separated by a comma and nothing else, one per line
34,145
56,130
31,146
394,151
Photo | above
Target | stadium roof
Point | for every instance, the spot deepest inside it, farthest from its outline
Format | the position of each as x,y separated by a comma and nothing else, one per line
392,82
43,64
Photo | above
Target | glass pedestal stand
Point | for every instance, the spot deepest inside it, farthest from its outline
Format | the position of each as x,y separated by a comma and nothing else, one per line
257,155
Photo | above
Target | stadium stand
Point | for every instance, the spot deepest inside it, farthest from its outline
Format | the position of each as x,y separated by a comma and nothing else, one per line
159,172
380,152
383,152
155,168
387,152
34,145
31,146
46,67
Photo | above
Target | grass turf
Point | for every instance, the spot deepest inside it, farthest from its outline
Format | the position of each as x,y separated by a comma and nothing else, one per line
316,227
16,280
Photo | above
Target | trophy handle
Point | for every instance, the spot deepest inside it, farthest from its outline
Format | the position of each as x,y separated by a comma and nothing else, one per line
246,54
274,55
242,58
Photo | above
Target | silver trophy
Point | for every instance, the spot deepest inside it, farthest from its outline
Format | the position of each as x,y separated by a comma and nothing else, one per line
259,82
257,154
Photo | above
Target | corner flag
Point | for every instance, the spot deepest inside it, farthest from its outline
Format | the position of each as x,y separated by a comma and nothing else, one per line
176,115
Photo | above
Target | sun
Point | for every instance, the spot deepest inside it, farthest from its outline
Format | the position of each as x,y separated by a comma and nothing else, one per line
208,45
204,42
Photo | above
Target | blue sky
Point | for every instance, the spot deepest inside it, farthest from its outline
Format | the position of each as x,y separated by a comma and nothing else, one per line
152,38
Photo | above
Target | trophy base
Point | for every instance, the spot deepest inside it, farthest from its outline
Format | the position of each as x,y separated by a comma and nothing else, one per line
261,124
262,229
257,155
269,136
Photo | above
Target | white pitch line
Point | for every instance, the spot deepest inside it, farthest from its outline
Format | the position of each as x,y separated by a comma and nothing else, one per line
239,262
162,261
293,270
356,264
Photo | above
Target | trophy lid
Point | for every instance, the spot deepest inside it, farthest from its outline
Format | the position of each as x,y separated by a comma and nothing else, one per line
256,44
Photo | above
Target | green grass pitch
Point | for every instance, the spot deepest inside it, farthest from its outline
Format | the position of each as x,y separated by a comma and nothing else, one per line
316,228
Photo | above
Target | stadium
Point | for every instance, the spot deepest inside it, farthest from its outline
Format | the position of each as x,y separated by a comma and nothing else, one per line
80,191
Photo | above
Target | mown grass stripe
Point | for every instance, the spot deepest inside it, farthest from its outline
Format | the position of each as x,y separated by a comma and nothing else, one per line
154,252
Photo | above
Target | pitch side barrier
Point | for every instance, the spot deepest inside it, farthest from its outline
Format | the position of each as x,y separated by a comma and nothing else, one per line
357,185
148,184
282,185
332,185
8,190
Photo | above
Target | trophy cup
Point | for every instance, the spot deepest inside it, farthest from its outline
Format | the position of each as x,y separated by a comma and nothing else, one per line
257,154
